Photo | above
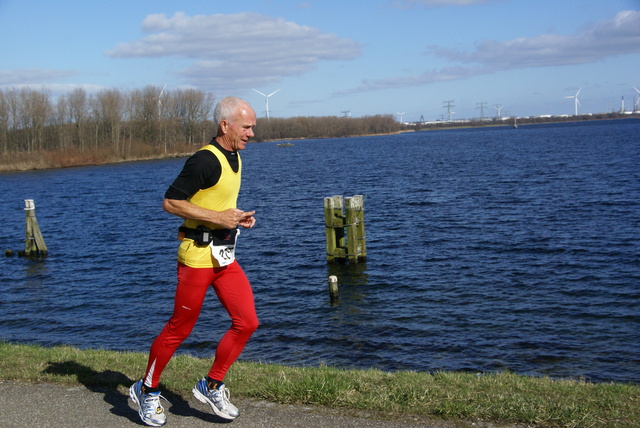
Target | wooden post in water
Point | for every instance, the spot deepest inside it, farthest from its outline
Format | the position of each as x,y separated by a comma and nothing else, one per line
356,243
334,228
333,287
353,248
34,245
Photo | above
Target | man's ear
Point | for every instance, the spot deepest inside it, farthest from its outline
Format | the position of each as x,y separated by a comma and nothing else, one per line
224,126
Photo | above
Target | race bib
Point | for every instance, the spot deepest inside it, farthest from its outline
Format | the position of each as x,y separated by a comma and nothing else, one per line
223,245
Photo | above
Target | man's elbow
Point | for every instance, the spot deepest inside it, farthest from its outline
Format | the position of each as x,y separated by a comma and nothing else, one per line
168,205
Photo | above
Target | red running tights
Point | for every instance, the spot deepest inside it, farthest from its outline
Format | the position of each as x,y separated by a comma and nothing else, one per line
234,292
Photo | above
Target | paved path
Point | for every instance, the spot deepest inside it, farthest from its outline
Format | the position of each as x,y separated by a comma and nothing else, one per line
45,405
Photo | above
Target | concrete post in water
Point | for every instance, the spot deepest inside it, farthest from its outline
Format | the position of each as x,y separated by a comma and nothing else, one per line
353,248
34,245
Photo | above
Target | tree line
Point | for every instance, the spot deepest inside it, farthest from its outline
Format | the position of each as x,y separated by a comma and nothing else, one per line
148,121
324,127
122,123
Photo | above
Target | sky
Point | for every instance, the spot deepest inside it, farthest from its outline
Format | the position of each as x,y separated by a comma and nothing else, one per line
329,57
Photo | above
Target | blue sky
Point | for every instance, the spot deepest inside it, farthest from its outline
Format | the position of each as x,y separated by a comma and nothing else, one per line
329,56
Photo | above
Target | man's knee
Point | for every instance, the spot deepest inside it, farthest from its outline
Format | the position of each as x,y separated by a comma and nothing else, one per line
246,326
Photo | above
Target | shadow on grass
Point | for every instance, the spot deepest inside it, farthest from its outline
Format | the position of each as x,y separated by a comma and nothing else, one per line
108,383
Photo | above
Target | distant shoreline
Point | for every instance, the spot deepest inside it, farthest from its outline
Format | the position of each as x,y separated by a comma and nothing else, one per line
526,121
38,161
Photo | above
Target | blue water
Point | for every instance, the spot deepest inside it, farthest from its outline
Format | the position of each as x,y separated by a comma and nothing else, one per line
488,249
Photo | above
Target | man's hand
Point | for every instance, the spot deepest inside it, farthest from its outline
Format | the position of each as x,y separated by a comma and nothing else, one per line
248,220
234,217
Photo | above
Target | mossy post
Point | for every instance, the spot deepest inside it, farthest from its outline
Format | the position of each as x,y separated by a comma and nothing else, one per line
356,242
344,229
34,245
334,228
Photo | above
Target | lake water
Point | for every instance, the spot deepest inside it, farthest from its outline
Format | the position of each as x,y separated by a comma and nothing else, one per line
488,249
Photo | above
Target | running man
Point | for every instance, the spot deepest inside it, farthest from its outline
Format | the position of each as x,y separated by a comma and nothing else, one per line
204,194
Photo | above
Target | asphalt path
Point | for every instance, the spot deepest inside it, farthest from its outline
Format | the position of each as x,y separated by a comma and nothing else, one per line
47,405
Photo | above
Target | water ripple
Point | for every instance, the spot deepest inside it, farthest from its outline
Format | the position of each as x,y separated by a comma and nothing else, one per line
488,249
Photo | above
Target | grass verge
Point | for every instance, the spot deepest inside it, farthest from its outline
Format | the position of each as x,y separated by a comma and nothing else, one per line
497,397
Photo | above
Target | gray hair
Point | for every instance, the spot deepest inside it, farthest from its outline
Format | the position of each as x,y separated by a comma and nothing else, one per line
227,108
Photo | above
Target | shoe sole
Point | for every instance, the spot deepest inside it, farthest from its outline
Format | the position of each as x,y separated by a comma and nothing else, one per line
201,398
134,397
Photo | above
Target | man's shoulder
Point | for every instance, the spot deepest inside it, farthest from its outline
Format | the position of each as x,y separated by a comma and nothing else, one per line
203,155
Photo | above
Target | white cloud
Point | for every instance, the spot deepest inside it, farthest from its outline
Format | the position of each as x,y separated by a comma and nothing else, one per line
48,80
611,37
430,76
236,51
32,76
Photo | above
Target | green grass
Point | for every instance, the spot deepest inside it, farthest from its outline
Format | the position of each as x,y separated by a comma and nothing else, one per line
497,397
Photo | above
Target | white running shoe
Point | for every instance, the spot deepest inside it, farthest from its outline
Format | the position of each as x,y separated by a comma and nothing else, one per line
218,399
149,408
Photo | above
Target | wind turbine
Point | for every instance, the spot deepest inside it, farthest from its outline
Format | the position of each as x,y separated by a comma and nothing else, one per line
266,100
498,109
160,99
576,101
160,112
400,114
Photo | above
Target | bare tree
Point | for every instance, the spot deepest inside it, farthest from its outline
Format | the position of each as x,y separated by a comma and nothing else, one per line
207,114
110,111
79,112
14,120
128,118
4,122
190,110
60,123
36,110
145,113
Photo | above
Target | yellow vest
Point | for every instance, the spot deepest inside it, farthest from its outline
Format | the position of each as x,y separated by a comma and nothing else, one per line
220,197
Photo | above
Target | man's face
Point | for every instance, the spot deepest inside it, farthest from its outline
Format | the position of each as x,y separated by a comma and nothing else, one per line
240,129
